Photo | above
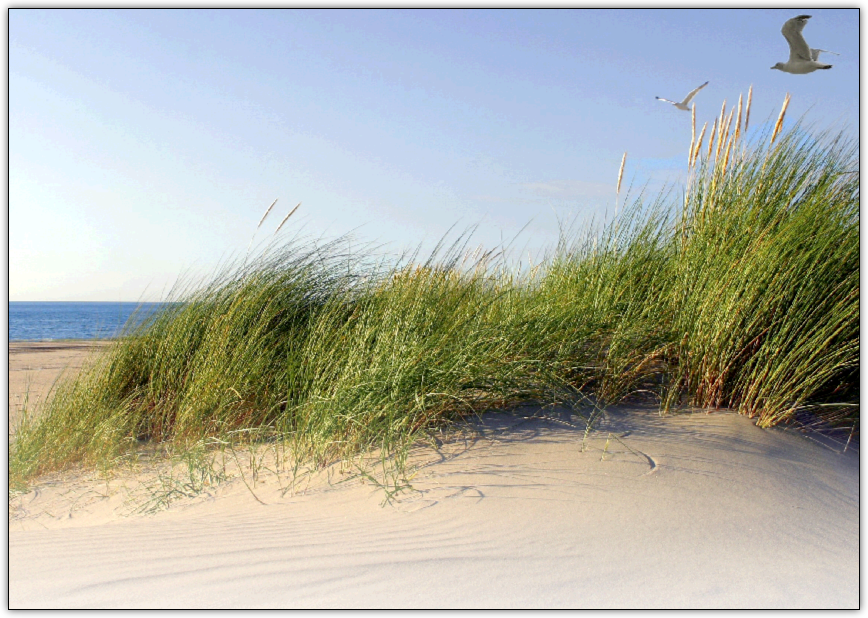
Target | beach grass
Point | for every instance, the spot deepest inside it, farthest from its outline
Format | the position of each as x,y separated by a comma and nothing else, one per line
744,294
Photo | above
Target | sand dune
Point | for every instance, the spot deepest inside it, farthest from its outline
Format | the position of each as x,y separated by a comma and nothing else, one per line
694,510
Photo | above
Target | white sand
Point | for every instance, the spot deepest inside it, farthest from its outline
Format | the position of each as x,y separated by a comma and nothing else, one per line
702,511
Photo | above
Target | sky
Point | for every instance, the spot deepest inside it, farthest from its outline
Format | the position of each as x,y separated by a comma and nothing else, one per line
147,144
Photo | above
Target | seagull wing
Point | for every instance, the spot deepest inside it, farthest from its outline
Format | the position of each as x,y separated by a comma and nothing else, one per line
815,53
666,100
692,94
792,32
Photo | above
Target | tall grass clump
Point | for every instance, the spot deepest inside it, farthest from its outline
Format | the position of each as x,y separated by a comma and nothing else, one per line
742,293
329,351
765,294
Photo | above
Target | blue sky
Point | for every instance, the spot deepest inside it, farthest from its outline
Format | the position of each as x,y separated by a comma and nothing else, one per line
144,144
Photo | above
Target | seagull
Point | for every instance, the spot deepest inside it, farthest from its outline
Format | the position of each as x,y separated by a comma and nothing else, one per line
803,59
684,104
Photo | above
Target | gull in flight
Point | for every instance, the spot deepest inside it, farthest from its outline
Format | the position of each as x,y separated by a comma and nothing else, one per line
803,59
686,102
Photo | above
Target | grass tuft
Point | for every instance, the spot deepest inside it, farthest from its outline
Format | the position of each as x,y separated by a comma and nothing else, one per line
743,295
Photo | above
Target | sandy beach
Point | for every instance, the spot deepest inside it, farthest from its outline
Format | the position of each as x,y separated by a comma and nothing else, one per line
518,509
35,366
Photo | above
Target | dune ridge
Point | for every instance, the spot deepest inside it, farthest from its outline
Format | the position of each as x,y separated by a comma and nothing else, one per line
693,510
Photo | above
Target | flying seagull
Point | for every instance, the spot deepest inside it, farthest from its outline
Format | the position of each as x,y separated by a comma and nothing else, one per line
803,59
686,102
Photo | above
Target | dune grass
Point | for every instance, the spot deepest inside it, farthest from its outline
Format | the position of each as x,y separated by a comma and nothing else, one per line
745,294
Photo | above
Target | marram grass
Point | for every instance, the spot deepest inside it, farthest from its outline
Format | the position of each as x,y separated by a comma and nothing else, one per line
744,295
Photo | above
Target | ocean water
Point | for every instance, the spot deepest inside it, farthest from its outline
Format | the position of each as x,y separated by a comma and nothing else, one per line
47,321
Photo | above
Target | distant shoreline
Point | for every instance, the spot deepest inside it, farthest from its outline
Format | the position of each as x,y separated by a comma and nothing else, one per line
59,343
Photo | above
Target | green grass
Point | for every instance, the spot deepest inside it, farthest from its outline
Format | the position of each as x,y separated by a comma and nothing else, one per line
743,295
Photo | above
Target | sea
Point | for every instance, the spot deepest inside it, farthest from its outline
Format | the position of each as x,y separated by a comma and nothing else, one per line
50,321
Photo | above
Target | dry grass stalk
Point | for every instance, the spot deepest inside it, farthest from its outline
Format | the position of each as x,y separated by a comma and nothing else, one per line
266,214
711,140
729,121
620,175
720,125
692,134
727,137
695,154
780,123
738,119
747,108
726,155
287,217
721,136
721,142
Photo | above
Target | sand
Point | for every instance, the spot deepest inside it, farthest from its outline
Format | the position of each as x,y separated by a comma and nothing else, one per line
35,366
694,510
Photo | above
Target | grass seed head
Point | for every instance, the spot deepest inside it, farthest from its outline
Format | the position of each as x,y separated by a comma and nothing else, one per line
747,108
692,133
711,140
621,174
287,217
738,119
695,154
268,210
780,123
